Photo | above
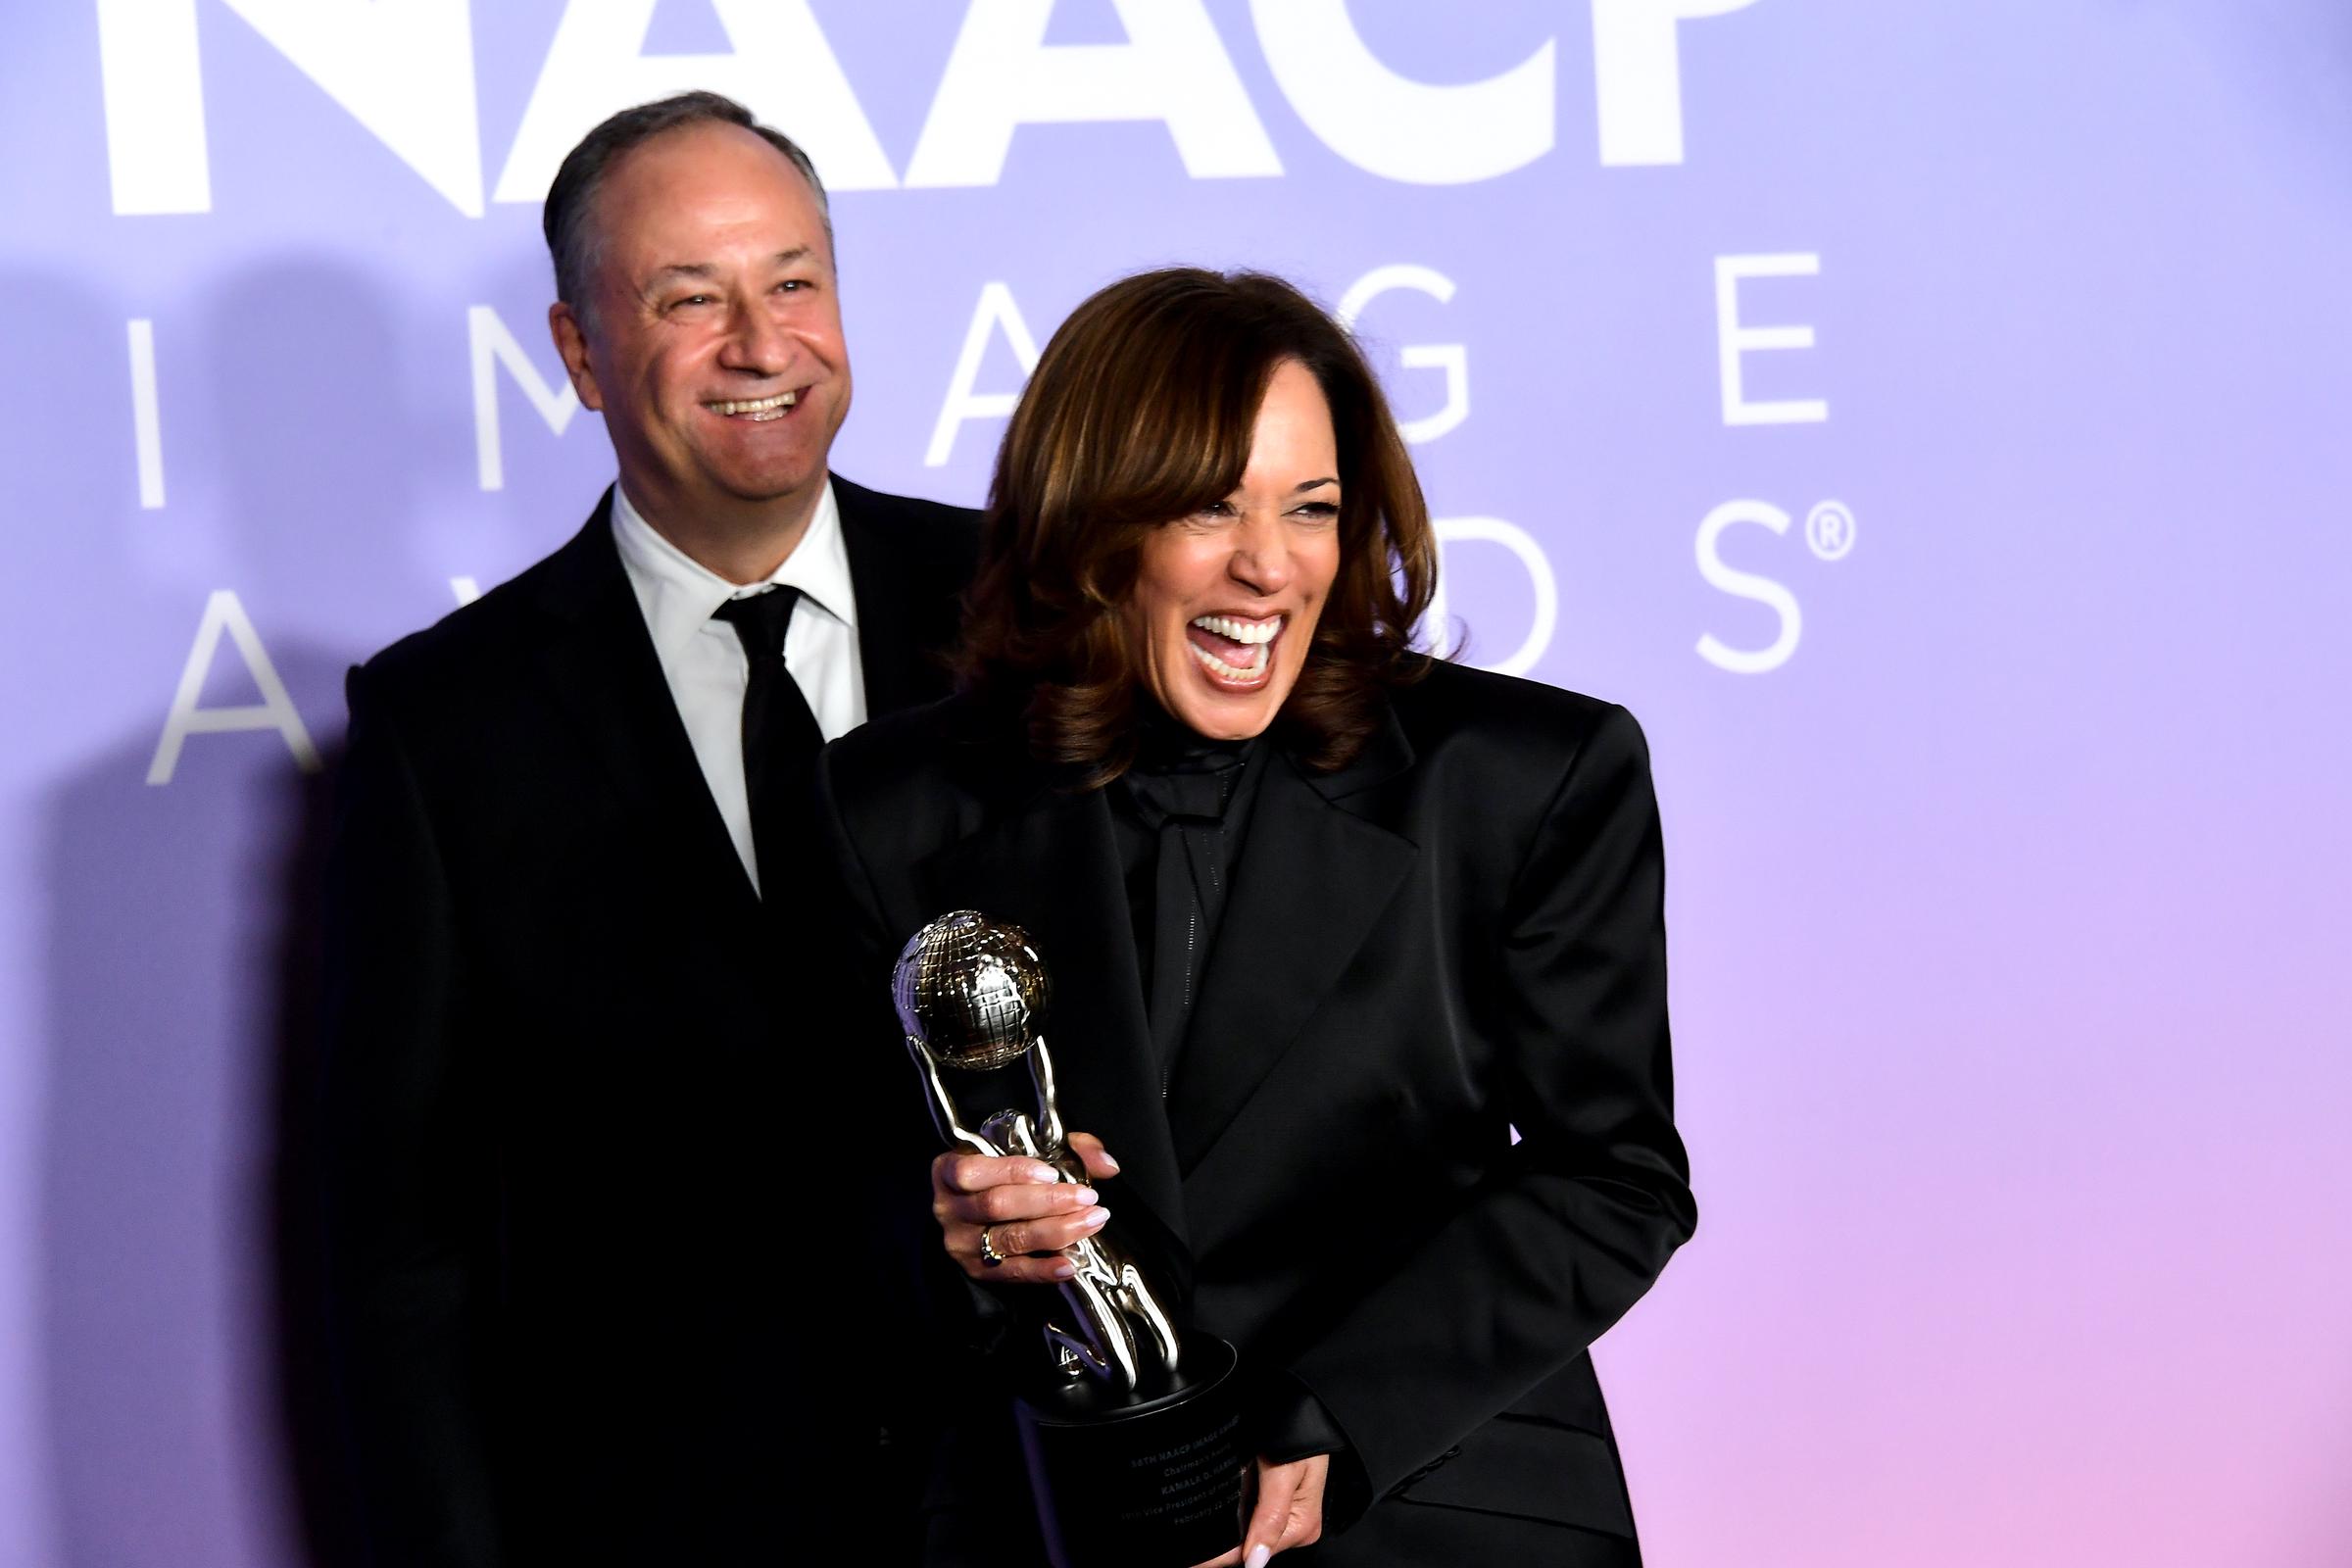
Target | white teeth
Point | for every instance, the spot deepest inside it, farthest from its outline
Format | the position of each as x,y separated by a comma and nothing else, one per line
775,405
1254,635
1233,672
1242,632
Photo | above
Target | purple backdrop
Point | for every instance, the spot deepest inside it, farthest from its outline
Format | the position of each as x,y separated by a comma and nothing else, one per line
1929,418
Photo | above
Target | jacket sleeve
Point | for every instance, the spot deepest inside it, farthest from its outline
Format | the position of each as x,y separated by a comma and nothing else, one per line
1571,1227
407,1199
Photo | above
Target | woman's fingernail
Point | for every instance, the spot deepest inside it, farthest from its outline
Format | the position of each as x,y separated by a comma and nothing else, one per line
1045,1173
1257,1557
1085,1198
1095,1220
1064,1270
1111,1161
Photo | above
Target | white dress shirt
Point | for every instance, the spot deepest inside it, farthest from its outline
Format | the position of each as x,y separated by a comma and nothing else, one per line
704,661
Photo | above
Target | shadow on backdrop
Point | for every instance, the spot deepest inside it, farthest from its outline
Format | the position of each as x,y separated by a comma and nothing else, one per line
187,1405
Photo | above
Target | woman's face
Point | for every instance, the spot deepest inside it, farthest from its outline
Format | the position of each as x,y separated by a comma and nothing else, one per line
1226,602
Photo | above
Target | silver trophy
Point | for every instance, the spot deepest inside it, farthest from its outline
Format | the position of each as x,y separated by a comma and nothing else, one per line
1133,1448
972,996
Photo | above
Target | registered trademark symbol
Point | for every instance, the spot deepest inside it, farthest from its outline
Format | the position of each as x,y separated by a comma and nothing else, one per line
1830,530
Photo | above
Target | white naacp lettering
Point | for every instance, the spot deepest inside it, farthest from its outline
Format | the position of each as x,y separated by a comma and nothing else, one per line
783,70
1452,359
1173,68
222,614
154,90
493,345
405,72
996,311
1734,339
1637,75
146,416
1746,585
1522,545
1392,126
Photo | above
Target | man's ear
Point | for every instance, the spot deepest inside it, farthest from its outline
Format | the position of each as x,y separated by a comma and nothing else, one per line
571,343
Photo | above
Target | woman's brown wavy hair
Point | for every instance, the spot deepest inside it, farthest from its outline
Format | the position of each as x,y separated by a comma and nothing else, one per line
1141,412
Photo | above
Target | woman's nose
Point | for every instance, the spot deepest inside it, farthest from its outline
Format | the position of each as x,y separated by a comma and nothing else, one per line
1261,553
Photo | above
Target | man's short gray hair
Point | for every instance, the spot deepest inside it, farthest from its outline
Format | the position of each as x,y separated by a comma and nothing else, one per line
568,218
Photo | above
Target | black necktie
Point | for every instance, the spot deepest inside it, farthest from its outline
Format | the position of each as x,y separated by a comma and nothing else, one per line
781,735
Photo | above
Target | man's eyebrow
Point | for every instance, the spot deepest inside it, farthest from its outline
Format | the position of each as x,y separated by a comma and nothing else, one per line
709,270
663,274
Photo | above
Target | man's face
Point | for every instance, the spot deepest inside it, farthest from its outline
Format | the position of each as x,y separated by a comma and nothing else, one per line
714,344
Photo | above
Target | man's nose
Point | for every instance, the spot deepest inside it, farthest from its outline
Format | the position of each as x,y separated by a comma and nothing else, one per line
756,342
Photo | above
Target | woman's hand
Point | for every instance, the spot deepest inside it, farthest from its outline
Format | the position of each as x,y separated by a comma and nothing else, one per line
1288,1512
1021,1206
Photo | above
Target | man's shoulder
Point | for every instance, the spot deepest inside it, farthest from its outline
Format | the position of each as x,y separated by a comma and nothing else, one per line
913,513
472,638
930,528
478,644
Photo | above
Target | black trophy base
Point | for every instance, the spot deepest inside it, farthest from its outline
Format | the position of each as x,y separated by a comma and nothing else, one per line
1151,1483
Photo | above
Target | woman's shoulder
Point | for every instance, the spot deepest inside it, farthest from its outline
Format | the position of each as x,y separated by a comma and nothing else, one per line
892,743
1459,709
913,743
956,748
1495,759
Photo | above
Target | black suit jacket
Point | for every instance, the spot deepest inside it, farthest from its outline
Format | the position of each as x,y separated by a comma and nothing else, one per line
1457,935
566,1089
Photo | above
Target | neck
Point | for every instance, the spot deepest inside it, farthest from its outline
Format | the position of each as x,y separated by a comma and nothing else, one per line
1167,743
744,542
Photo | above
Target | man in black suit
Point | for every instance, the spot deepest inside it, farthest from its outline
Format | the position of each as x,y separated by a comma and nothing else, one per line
566,1089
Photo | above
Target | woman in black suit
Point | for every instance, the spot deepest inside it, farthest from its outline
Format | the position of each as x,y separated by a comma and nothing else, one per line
1328,921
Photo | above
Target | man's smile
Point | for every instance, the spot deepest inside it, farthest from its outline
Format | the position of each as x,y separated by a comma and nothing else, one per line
756,410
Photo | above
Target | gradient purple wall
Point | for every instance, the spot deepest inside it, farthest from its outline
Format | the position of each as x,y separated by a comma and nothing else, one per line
2009,904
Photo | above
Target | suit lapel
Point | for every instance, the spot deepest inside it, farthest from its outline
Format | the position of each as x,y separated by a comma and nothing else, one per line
1051,867
600,663
899,606
1317,873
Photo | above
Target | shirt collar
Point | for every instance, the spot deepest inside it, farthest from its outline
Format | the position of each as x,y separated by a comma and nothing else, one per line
677,593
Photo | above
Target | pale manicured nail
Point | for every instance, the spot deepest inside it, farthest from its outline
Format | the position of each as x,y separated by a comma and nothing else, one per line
1064,1271
1257,1557
1095,1221
1085,1196
1111,1161
1043,1173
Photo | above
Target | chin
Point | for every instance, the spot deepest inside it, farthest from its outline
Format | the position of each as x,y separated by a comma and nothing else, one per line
1227,729
1222,715
766,485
